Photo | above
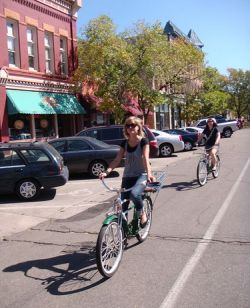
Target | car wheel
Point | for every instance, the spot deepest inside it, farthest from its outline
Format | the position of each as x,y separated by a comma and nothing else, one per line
188,146
28,189
227,132
96,167
166,150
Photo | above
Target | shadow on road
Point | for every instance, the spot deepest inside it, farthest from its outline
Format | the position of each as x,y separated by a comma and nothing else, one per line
45,195
72,272
183,186
86,176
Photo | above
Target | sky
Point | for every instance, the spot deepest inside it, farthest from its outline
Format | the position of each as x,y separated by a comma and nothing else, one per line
223,26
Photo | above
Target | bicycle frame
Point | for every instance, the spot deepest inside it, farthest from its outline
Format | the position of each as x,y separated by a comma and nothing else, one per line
117,214
130,228
204,167
117,228
207,159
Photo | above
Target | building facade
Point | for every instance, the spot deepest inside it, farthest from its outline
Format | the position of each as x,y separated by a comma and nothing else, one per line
38,57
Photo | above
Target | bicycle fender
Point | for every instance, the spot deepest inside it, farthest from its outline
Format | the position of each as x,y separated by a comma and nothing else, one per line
109,219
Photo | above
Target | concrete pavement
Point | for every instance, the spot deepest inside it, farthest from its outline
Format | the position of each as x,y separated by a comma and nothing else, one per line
69,201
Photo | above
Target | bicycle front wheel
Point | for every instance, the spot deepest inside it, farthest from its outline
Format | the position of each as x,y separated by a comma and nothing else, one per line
143,232
217,171
109,249
202,173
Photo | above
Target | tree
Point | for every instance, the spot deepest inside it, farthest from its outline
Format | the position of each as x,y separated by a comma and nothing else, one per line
237,85
182,77
138,64
148,48
213,99
104,61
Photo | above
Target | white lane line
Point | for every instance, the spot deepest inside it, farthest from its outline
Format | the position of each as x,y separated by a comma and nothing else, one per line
180,282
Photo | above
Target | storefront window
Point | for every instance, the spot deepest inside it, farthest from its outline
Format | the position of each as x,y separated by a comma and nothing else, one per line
19,126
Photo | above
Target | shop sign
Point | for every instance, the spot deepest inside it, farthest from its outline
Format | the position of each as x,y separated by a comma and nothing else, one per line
50,101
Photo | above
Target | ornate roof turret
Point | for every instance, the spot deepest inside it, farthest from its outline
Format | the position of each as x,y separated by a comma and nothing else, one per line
174,32
171,29
194,39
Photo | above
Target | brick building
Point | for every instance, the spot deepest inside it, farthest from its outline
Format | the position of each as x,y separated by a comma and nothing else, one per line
38,57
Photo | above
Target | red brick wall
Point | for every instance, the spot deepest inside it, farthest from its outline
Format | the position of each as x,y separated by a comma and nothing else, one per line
42,15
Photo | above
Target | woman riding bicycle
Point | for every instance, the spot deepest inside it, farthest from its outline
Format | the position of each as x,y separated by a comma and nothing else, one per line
212,136
137,171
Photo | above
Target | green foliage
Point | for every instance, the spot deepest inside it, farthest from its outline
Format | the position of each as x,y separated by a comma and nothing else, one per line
237,85
214,100
137,63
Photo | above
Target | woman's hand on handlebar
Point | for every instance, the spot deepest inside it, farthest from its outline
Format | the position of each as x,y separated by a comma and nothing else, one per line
151,178
103,175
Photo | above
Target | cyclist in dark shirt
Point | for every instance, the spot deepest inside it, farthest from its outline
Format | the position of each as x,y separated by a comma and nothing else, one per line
137,171
212,136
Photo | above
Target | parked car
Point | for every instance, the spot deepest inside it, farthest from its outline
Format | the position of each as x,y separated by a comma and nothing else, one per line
190,139
168,144
113,134
26,168
225,127
85,154
196,130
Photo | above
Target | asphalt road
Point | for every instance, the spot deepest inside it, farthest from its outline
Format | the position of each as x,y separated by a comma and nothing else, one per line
197,254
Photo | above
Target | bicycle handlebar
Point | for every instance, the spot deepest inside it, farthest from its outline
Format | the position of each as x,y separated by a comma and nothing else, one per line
150,186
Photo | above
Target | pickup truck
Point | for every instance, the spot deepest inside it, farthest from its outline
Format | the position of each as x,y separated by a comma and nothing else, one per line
225,127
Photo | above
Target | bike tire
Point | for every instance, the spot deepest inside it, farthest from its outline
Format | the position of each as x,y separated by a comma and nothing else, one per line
109,249
217,171
202,173
144,232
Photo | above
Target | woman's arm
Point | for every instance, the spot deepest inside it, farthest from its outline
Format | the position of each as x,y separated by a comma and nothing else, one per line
115,163
200,136
217,141
146,163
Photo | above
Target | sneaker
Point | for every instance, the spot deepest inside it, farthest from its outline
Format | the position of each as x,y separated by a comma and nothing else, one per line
214,168
143,225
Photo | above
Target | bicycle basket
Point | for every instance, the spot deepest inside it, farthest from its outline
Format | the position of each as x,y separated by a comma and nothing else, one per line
160,177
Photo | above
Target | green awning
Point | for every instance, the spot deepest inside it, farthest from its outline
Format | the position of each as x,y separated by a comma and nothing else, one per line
31,102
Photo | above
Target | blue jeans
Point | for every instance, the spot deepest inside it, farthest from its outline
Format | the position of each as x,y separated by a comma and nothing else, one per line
135,194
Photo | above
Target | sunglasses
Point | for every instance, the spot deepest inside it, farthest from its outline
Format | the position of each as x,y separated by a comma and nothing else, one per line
132,125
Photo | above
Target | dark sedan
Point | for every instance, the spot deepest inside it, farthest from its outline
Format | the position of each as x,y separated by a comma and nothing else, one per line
85,154
190,139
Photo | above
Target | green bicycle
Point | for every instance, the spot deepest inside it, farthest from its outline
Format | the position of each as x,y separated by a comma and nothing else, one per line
117,228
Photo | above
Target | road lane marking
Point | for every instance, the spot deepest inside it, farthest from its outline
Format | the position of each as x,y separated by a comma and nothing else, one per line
187,271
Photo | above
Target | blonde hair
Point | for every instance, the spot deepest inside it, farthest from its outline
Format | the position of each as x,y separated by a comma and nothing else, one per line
133,120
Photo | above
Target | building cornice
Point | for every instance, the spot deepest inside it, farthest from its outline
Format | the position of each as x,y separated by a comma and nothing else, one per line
43,7
35,84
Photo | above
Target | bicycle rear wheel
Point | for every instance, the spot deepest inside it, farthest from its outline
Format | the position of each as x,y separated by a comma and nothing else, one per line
202,172
109,249
143,232
217,171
